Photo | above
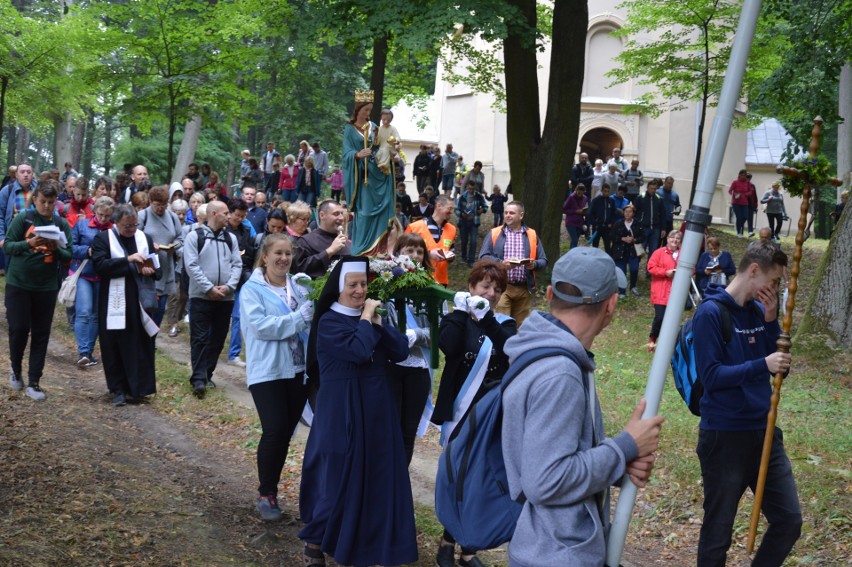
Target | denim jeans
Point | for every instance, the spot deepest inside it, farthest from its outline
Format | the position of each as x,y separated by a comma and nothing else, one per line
86,319
289,195
633,264
448,182
158,315
308,197
236,343
743,214
730,461
468,241
652,240
498,219
574,234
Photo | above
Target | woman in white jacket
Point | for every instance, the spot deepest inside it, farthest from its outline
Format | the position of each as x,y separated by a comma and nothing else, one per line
276,316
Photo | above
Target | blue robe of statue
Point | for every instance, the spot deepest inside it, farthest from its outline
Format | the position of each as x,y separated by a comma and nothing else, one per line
355,497
374,203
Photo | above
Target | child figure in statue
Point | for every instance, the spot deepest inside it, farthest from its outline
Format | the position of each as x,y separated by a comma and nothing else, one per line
386,137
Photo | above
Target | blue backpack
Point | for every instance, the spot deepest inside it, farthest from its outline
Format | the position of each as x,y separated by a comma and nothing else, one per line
686,378
471,490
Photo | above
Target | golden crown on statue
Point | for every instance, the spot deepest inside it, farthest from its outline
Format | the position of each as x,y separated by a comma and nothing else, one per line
363,96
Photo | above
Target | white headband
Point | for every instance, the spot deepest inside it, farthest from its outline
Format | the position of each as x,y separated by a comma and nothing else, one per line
349,268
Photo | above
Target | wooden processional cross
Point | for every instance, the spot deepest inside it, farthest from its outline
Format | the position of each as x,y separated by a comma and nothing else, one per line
784,343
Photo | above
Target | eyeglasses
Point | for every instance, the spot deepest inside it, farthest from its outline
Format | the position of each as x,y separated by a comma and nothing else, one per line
128,226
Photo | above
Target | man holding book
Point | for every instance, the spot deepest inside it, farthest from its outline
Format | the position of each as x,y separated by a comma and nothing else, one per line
520,250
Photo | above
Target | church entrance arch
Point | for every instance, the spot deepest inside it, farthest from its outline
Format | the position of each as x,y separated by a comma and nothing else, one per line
599,142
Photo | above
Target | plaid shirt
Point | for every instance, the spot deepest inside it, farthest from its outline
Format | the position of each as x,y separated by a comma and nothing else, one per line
22,200
514,248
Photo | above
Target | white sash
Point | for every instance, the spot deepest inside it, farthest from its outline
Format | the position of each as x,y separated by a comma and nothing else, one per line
116,299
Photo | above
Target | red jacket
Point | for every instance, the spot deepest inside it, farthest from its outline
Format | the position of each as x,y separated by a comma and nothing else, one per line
73,212
659,263
287,182
739,192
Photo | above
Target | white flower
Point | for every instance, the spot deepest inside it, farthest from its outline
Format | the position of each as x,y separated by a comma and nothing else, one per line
386,276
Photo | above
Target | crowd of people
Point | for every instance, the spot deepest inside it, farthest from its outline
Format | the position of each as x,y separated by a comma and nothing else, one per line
145,258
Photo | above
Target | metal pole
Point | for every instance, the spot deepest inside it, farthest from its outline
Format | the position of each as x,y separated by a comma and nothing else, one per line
697,219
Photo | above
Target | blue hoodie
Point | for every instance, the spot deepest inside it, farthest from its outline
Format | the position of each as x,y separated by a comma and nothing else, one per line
736,379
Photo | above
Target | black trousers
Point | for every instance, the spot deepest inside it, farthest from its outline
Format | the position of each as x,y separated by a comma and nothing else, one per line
209,322
657,323
775,222
410,386
603,233
279,405
29,313
730,461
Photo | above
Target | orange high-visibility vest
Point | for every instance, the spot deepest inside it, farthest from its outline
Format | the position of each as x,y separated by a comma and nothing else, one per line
448,236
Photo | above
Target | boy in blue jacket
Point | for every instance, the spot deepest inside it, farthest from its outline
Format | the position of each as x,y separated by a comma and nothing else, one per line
737,388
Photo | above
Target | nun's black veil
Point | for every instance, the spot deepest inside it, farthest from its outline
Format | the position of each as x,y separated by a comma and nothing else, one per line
330,294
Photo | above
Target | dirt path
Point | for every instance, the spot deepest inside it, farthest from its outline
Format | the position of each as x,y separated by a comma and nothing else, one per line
169,482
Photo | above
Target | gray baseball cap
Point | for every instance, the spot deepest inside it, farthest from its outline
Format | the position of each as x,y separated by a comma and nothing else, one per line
590,270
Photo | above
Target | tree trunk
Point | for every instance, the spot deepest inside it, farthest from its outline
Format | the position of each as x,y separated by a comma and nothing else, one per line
77,146
828,319
107,142
12,137
4,83
172,126
377,76
528,146
88,147
39,147
844,129
186,154
235,138
23,145
63,141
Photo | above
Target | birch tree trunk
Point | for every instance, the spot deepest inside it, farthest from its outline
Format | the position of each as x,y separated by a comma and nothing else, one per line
186,154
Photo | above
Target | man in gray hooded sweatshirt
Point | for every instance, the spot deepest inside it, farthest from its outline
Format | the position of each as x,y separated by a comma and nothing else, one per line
557,456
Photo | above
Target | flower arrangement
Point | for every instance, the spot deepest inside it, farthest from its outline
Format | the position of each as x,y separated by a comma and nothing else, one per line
814,170
388,275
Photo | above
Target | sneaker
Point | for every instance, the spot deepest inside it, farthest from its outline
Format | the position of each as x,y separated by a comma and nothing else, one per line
621,296
36,393
173,332
237,362
16,383
119,399
751,235
199,389
635,292
92,361
446,556
83,361
473,562
652,346
267,507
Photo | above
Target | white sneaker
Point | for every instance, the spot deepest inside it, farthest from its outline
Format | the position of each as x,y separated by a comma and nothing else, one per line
634,291
36,393
16,383
237,362
186,319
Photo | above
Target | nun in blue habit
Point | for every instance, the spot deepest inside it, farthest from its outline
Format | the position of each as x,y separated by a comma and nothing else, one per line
355,497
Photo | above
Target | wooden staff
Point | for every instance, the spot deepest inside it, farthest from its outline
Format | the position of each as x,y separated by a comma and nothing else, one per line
784,343
366,129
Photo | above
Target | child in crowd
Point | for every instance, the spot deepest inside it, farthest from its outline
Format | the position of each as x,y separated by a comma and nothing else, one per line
336,180
498,199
